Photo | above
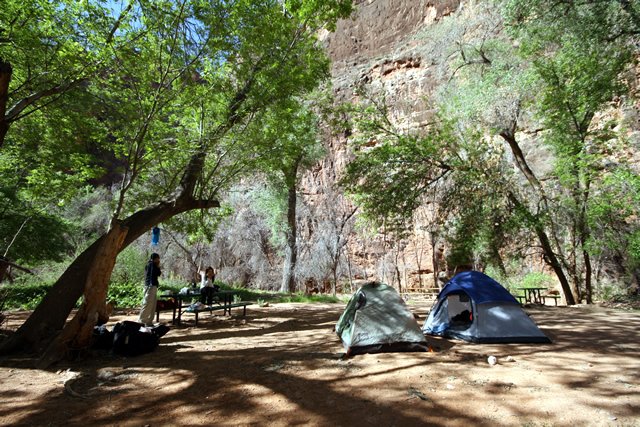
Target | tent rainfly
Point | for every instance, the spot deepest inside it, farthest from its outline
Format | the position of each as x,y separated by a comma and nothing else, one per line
474,307
376,320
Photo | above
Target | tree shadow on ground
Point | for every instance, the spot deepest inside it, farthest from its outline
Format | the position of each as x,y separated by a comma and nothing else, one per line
285,366
223,385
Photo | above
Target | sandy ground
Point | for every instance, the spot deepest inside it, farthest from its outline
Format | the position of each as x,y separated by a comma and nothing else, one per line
282,365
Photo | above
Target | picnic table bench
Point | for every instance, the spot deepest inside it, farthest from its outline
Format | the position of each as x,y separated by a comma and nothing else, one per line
182,303
166,303
535,296
531,295
212,308
554,297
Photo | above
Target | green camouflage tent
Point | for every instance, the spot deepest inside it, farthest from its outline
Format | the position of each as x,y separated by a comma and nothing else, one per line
377,320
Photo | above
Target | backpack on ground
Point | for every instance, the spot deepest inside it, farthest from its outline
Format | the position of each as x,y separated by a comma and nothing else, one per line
133,338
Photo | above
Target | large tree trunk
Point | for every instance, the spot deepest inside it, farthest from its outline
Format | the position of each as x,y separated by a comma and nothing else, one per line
4,266
552,260
288,273
435,260
5,78
51,314
77,334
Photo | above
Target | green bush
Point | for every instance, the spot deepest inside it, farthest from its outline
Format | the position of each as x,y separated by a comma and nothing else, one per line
172,285
536,280
25,296
276,297
308,298
497,275
126,295
129,266
609,292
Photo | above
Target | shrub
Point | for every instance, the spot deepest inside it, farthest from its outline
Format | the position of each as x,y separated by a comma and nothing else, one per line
498,276
25,296
536,280
608,292
172,285
126,295
244,293
129,266
308,298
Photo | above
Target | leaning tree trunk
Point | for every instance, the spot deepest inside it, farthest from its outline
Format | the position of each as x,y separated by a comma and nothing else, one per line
552,260
77,333
509,135
51,314
550,256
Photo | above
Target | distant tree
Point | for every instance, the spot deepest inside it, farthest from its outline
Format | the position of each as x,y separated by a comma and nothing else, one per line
578,56
335,221
28,234
291,134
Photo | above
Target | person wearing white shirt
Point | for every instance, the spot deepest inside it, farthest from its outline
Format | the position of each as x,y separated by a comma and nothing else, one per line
207,286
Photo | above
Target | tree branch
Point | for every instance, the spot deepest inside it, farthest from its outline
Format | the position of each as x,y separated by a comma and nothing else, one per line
119,21
20,106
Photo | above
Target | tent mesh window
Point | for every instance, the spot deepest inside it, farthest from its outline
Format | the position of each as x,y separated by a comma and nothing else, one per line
460,311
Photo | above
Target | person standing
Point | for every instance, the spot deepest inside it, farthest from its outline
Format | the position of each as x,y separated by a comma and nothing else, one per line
151,274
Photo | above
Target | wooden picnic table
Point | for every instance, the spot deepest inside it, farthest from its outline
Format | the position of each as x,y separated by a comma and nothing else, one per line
184,300
533,295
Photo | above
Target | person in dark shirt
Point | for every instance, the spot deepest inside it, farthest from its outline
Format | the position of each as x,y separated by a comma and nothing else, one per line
151,274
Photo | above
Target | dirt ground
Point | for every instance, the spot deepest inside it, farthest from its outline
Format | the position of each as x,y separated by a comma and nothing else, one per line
282,365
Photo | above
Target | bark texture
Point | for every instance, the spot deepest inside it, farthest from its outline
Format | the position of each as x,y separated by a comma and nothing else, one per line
77,334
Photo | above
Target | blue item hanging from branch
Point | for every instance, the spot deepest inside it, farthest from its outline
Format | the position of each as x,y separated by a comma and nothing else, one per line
155,236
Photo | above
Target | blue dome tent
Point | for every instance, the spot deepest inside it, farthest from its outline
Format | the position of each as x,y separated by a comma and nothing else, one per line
474,307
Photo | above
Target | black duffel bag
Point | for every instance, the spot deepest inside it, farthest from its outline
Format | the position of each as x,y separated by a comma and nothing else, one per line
130,340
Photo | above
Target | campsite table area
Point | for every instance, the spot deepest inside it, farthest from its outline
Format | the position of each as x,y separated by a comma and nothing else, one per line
226,298
532,295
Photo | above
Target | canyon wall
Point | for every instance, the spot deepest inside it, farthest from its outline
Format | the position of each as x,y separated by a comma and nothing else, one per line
388,48
378,48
